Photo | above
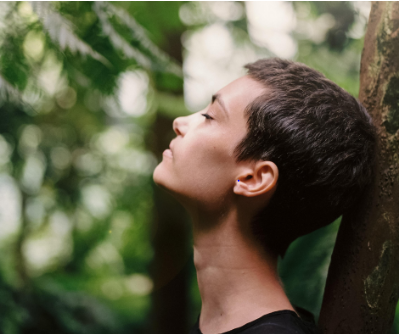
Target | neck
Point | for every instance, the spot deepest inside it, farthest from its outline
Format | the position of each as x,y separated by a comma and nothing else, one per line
238,281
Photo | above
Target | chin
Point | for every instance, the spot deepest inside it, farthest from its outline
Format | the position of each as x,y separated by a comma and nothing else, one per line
160,178
157,175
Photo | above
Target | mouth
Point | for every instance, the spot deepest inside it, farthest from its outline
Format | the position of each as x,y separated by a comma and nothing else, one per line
168,153
171,146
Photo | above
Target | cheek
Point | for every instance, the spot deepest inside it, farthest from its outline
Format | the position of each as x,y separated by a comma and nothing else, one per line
204,157
204,167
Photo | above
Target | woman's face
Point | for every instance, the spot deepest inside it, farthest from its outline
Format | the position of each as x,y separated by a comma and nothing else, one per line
201,168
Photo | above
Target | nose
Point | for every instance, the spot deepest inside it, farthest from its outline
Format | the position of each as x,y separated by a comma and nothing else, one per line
180,125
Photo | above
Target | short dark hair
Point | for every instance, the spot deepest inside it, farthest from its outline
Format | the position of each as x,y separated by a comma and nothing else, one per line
321,139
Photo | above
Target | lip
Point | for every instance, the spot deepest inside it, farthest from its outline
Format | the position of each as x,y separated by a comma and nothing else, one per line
170,146
168,153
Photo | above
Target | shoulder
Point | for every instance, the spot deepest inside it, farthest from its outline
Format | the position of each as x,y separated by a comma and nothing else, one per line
279,322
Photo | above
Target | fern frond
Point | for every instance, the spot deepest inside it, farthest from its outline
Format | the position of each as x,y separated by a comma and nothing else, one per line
61,32
140,35
117,41
104,10
8,93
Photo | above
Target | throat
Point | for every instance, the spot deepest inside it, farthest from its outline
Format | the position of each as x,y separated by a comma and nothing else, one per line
238,282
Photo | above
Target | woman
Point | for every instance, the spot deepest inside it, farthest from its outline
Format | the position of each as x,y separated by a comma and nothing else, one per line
277,154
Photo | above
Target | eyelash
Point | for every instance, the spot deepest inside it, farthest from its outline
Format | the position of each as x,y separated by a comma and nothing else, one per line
207,116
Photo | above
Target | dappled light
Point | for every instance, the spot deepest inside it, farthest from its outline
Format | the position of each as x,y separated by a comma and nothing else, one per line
270,25
133,89
10,207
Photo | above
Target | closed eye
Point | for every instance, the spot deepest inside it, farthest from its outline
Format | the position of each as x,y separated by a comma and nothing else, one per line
207,116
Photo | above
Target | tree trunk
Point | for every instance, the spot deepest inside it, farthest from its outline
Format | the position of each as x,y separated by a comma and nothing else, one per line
170,227
171,253
362,286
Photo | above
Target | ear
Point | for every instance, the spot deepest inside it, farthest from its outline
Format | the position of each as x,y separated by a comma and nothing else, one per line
257,179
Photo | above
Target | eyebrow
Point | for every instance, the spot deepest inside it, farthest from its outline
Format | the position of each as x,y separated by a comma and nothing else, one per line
217,97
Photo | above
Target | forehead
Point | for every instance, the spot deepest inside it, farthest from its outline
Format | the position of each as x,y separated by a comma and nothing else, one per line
241,92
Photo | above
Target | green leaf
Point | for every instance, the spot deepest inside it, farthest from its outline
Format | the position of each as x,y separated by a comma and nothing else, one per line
105,11
61,32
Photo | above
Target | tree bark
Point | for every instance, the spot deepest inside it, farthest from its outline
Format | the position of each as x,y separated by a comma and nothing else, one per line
170,232
362,286
170,242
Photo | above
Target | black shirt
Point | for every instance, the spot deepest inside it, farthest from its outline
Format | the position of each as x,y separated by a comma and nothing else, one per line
279,322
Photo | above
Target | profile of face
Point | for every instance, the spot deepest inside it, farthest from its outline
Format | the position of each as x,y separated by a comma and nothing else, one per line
200,168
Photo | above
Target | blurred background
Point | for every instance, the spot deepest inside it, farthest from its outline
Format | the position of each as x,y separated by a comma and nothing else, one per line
88,93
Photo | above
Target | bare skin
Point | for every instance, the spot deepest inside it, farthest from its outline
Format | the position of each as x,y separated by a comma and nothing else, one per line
237,278
237,282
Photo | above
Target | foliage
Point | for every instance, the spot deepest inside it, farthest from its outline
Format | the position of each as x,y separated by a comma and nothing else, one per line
78,166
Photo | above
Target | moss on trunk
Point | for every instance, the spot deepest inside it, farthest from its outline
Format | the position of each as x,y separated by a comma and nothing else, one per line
362,287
